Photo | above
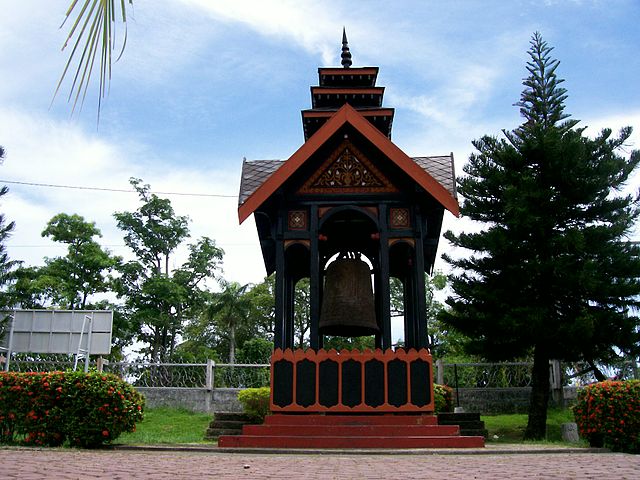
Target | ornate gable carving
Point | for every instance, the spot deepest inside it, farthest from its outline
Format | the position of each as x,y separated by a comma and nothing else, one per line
347,170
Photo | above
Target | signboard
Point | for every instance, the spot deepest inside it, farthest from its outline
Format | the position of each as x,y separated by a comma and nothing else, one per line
58,331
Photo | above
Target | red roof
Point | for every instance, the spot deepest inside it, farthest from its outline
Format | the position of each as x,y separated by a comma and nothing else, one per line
347,114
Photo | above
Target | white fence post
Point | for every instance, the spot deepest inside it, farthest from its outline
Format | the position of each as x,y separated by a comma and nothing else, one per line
209,377
439,372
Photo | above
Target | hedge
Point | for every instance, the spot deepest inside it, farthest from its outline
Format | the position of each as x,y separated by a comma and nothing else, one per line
608,414
87,409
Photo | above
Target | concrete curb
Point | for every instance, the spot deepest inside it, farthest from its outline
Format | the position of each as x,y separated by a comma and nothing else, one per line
506,449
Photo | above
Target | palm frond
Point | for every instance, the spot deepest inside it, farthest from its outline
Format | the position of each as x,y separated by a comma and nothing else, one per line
94,31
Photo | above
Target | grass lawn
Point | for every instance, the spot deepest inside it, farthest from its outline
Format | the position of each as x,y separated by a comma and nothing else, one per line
168,425
510,428
172,425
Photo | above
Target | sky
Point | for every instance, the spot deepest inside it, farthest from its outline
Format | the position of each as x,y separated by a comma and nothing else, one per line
203,84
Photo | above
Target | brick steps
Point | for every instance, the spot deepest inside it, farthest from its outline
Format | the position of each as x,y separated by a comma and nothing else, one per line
469,423
344,442
226,423
350,431
308,420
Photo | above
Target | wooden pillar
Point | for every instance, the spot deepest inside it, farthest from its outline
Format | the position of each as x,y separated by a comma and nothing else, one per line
383,281
418,279
409,310
280,288
315,286
289,309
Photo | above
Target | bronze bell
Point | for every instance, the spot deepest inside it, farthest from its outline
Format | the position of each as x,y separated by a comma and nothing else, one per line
347,306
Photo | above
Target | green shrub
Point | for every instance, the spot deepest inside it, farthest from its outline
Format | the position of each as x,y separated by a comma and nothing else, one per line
255,402
47,408
608,414
443,398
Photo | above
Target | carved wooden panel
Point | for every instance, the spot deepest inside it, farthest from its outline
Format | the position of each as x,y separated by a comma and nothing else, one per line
347,170
297,220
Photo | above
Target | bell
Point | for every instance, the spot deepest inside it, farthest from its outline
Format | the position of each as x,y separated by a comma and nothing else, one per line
347,306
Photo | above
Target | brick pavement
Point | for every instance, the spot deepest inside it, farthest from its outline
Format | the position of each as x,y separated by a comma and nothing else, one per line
28,464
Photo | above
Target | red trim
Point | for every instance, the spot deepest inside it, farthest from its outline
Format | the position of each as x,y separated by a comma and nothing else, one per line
379,112
347,72
347,91
347,114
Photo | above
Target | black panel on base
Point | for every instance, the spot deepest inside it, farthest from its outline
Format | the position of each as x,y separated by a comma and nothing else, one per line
282,383
351,383
397,372
374,383
305,383
420,383
328,380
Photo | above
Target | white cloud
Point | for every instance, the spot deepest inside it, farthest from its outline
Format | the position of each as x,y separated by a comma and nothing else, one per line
65,155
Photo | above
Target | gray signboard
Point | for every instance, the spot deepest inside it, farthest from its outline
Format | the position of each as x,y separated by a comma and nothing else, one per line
58,331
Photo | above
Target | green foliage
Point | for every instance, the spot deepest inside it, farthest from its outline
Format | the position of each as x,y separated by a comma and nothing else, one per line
6,265
350,343
257,350
255,402
443,398
66,282
158,298
550,273
608,414
47,408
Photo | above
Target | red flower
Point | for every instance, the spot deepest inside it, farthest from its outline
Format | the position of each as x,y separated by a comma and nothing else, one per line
105,433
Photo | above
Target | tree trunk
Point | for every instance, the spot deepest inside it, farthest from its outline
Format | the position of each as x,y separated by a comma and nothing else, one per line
232,343
537,424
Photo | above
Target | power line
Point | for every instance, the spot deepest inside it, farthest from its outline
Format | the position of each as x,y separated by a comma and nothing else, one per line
120,190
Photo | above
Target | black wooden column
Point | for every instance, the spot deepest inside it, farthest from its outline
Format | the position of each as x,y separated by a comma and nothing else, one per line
289,309
315,287
280,289
383,303
409,295
418,279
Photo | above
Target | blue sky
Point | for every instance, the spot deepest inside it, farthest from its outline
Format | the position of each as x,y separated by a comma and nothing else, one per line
203,84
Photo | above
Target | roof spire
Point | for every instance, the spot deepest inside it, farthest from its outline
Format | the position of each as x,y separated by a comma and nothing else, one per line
346,54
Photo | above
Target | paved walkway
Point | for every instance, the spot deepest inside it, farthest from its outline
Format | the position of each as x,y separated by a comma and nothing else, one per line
498,463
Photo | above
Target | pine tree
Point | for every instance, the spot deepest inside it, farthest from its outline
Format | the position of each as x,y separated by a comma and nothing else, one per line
552,274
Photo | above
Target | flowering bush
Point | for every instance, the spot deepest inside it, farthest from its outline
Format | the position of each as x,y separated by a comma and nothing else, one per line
443,398
608,414
47,408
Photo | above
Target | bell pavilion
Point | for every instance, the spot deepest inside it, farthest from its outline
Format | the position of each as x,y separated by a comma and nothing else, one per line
349,210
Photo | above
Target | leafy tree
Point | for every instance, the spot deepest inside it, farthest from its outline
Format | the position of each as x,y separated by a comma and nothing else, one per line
438,334
229,310
550,273
6,265
158,300
256,350
70,280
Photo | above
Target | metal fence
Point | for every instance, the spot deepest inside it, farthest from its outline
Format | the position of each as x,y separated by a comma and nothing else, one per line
212,375
484,375
518,374
162,375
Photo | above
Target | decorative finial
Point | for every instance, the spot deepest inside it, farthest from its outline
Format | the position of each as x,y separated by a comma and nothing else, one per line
346,54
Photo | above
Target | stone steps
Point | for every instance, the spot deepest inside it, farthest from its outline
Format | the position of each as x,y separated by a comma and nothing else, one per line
350,431
469,423
226,423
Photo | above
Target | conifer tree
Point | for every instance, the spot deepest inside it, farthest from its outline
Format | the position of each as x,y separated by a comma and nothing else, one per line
552,273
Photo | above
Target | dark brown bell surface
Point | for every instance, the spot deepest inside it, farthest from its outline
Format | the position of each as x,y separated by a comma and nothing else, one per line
347,306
